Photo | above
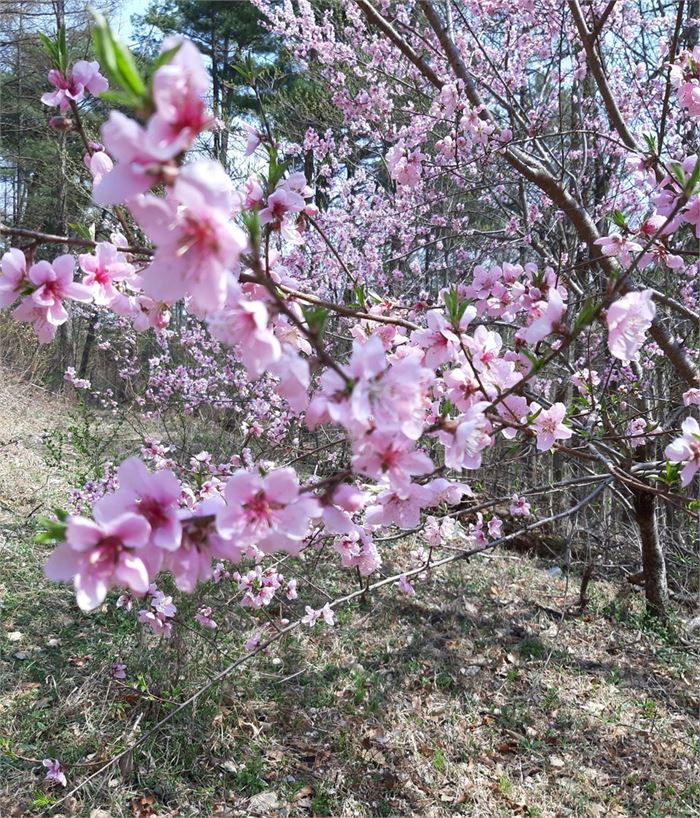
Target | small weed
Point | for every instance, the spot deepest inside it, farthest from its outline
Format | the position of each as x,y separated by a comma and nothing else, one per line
321,802
614,675
439,760
249,779
533,649
505,785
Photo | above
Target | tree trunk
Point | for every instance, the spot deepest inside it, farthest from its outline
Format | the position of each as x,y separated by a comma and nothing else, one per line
87,348
653,563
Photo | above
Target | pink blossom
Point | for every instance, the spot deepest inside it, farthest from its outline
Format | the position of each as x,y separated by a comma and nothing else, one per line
252,642
70,376
145,154
465,443
254,139
463,387
54,771
54,283
268,512
484,347
447,491
13,276
405,167
519,506
357,550
99,164
160,602
125,600
220,572
628,320
545,316
84,76
405,586
495,527
620,247
153,496
325,613
432,532
142,160
204,618
484,282
686,449
157,623
636,429
439,341
390,397
244,323
103,267
101,553
118,671
548,425
179,89
337,511
254,194
294,378
392,456
691,397
197,244
200,543
584,380
402,510
279,204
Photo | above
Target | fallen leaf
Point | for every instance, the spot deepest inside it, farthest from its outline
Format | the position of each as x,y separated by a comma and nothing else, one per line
263,802
304,792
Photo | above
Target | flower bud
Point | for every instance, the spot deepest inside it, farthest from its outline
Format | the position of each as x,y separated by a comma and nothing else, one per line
61,123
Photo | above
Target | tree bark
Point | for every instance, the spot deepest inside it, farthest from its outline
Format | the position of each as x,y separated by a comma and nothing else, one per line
653,562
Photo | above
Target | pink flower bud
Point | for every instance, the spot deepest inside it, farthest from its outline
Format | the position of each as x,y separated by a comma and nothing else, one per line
61,123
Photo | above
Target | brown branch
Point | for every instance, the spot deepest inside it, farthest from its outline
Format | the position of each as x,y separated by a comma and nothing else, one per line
613,112
49,238
374,17
603,19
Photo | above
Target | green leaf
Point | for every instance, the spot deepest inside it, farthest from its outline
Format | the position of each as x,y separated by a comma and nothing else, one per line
692,182
164,57
52,531
252,224
51,49
316,318
588,312
124,98
118,62
82,231
678,173
534,360
650,140
618,219
62,49
359,297
131,78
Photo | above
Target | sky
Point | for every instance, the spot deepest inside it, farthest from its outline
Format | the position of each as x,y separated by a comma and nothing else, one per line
122,23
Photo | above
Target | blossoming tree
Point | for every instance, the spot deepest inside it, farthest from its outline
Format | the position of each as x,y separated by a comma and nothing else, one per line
502,269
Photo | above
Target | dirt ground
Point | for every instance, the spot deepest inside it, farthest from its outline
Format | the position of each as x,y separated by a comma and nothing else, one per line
476,697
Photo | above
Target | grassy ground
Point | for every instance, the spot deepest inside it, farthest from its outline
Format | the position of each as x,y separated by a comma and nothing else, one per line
472,698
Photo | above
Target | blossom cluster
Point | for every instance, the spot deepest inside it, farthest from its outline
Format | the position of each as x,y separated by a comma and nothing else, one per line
417,400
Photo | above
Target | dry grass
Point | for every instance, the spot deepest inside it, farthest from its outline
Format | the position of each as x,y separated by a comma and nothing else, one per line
473,698
26,411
